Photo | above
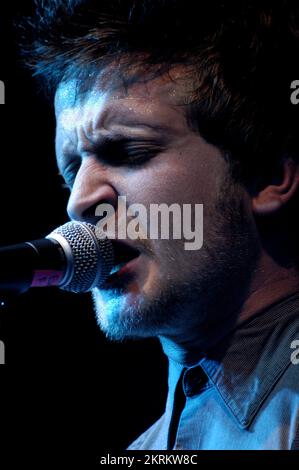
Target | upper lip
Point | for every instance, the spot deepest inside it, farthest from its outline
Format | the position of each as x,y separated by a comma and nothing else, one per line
123,252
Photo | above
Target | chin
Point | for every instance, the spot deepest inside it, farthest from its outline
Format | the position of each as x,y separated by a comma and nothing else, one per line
121,314
132,313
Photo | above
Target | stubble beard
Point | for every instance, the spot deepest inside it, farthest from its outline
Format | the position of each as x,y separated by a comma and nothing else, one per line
208,291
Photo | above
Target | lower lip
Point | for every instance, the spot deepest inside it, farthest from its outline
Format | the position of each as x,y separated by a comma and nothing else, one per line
126,269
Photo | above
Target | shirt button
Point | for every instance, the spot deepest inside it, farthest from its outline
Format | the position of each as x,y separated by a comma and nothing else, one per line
194,380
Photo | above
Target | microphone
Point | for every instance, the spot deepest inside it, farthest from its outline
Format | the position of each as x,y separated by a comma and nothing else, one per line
71,257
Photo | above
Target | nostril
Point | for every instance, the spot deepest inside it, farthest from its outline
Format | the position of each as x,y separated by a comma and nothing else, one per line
83,212
91,214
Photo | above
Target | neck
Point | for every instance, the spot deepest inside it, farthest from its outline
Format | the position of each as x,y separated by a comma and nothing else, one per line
270,284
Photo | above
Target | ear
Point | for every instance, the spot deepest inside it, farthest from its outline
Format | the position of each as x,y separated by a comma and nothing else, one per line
275,196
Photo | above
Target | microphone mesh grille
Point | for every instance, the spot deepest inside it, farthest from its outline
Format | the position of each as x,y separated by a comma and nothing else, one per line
92,257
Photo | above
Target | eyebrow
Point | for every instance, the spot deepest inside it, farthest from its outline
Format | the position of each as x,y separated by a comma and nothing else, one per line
156,127
110,143
111,140
163,133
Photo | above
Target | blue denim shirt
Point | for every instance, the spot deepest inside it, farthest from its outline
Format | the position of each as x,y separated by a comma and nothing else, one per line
244,396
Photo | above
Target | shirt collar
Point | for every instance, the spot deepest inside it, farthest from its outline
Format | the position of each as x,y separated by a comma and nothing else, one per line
245,367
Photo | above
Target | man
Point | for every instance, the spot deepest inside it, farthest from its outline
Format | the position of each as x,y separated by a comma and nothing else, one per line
165,102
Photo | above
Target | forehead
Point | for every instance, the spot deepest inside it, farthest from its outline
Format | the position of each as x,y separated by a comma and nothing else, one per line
158,100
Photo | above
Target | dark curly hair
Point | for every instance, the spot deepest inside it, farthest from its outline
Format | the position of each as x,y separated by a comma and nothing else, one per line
243,55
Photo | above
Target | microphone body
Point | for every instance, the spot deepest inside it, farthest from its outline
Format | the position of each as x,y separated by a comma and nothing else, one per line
31,264
71,257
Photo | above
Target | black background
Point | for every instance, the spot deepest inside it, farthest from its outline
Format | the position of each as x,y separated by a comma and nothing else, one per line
67,395
66,392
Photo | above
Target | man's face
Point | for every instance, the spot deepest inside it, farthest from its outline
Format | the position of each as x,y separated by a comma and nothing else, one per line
154,158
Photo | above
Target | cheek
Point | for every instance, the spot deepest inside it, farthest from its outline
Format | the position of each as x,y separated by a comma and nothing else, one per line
170,183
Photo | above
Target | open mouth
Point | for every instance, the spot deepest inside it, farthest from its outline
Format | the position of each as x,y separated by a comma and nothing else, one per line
123,254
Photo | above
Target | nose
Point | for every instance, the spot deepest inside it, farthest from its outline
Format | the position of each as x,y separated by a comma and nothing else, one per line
92,186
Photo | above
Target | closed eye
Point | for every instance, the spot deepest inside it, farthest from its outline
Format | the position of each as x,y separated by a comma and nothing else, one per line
120,151
125,152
